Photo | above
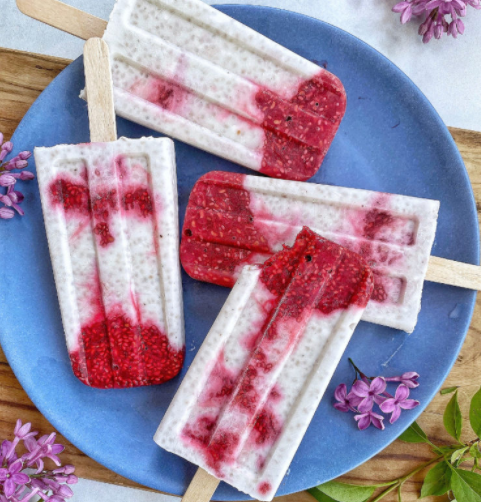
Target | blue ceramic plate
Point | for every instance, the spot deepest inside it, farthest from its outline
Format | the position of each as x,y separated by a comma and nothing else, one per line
391,139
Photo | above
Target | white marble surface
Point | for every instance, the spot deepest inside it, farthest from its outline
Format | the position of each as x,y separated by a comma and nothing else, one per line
447,71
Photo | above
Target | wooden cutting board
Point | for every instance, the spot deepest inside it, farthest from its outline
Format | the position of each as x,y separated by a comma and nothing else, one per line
23,76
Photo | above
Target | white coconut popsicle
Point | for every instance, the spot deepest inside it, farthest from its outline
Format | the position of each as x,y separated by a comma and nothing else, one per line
183,68
250,394
110,211
233,220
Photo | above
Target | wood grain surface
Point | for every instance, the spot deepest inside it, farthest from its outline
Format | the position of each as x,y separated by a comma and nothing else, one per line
22,78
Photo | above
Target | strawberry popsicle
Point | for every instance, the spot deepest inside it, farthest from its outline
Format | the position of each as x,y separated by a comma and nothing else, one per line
183,68
250,394
233,220
110,212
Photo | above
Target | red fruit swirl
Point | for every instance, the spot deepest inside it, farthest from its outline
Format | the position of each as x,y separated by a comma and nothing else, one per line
299,132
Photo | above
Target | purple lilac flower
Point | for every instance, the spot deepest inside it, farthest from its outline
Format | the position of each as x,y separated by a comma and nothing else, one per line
368,392
364,420
12,198
346,401
435,12
11,477
400,400
17,486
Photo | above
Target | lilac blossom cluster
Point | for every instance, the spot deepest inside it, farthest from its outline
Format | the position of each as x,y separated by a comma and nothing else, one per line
369,391
16,485
436,12
12,198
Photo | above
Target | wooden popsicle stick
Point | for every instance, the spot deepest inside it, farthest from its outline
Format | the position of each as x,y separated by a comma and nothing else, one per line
201,488
98,85
64,17
454,273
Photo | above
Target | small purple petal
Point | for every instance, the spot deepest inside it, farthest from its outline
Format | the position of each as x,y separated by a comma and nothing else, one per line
26,175
399,7
378,385
72,479
409,404
360,388
388,406
3,474
377,421
65,492
6,199
6,213
402,393
363,421
24,430
9,487
353,399
25,155
460,26
7,147
427,36
341,407
21,164
438,32
366,404
341,392
7,180
406,15
30,443
17,466
58,448
395,414
21,478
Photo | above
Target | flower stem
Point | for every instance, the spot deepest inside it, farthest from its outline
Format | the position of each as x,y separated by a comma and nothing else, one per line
397,483
358,371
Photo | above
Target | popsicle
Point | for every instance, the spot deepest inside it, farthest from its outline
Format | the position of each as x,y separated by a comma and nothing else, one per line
252,390
110,211
183,68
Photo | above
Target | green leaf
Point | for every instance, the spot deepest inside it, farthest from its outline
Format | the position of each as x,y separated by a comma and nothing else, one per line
437,480
466,485
474,451
458,454
414,434
453,421
475,413
447,390
342,492
321,497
